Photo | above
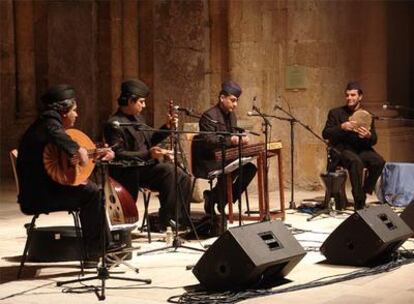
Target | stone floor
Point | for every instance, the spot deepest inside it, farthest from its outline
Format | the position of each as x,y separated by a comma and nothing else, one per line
167,268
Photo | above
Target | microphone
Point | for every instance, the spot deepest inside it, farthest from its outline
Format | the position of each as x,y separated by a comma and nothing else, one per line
254,108
386,106
182,109
241,130
251,113
118,124
276,106
258,113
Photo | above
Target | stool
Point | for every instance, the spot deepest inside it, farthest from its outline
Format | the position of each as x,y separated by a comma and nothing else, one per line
335,187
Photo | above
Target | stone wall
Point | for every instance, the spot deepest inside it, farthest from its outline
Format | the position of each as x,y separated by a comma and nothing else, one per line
181,55
295,54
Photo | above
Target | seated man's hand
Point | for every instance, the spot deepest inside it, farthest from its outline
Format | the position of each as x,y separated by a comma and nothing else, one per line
108,154
363,132
235,140
172,120
157,152
349,126
245,140
81,157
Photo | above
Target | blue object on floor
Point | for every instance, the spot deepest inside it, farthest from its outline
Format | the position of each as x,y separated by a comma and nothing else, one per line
397,184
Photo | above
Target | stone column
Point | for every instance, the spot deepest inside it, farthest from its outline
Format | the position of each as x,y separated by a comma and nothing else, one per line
245,51
373,74
395,138
116,49
181,56
219,56
25,61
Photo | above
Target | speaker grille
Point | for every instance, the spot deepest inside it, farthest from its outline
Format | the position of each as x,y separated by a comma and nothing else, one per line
270,240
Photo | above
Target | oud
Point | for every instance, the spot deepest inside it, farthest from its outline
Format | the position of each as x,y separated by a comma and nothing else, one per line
61,168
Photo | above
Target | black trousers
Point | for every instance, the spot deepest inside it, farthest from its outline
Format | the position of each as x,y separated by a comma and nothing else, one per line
218,193
355,162
159,177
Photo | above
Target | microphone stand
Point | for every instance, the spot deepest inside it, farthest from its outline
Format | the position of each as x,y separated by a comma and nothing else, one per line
292,120
223,184
103,272
267,125
240,178
177,242
219,133
222,137
240,133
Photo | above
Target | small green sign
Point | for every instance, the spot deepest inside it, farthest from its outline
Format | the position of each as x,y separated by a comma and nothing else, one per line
295,77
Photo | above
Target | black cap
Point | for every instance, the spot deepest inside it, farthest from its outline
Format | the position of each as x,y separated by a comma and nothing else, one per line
232,88
354,85
134,87
58,93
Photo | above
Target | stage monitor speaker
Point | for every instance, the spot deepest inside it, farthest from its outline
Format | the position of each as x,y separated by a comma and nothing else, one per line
408,216
244,256
367,237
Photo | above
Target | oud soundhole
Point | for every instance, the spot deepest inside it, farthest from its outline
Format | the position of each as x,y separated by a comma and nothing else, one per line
112,199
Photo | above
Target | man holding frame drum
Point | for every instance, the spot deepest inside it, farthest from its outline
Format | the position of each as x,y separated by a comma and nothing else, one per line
353,139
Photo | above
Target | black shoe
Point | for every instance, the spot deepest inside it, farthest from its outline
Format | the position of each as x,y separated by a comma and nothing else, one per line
221,211
217,226
179,226
208,204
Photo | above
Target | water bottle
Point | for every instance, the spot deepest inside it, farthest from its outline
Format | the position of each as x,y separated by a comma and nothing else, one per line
168,236
331,206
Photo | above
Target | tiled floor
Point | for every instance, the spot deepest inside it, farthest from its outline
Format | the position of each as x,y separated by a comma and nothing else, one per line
167,268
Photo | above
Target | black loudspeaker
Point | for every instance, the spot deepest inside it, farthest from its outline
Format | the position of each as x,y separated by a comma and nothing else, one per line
408,216
367,237
243,256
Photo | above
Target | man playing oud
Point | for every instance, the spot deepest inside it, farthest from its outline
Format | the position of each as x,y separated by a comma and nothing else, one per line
38,191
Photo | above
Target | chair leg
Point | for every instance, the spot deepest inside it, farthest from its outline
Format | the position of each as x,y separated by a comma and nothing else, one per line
247,202
81,247
27,246
145,220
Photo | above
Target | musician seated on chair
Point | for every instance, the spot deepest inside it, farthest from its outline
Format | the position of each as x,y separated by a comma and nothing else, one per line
220,117
353,144
38,192
138,143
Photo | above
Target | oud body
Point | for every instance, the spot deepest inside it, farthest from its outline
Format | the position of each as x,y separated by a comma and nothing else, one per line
59,166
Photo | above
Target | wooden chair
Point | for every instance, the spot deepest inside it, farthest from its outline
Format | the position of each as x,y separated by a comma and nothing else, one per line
31,227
